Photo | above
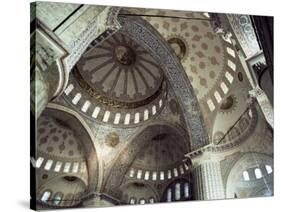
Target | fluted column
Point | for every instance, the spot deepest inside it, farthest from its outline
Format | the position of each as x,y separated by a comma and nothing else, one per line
208,181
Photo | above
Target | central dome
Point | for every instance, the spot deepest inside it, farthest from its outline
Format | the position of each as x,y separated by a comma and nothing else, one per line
119,69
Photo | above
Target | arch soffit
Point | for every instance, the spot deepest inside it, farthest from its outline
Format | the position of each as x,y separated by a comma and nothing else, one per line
127,155
144,34
125,185
91,147
52,181
248,160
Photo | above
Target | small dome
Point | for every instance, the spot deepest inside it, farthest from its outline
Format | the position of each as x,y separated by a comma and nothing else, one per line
56,138
165,150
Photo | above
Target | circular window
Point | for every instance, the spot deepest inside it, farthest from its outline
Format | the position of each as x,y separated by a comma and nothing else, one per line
112,139
178,46
227,103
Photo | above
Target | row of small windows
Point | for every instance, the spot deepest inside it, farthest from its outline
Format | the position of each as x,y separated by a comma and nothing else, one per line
223,86
142,201
218,97
127,116
59,166
107,113
162,175
46,197
258,173
229,62
178,191
230,51
227,37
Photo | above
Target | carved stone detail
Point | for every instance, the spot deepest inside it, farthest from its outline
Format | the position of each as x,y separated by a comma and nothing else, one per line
235,142
129,153
147,37
47,75
264,103
108,19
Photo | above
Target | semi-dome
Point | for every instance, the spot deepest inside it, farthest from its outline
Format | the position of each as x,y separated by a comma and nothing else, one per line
56,138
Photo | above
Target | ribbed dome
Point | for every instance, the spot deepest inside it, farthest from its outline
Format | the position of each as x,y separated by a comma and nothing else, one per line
121,70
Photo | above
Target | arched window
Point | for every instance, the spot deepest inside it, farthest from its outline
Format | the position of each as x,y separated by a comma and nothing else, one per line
132,201
258,173
76,98
181,169
48,165
268,169
224,87
46,196
246,176
142,201
154,175
218,96
153,109
75,167
169,195
177,191
146,175
39,162
132,172
58,198
169,174
211,105
146,114
58,166
229,77
139,174
96,112
127,119
151,200
186,190
117,118
162,175
175,172
67,166
106,116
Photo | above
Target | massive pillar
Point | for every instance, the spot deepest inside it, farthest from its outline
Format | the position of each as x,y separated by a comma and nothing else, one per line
208,181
